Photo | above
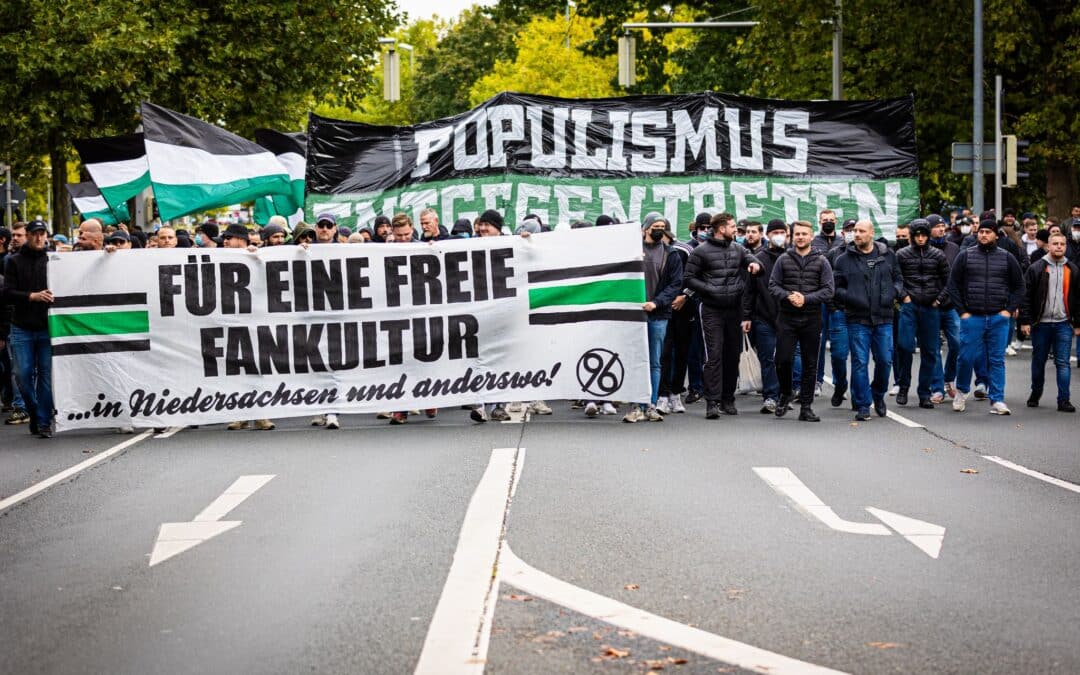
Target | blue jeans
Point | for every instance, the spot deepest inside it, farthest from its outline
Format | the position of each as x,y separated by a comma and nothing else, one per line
866,340
983,340
919,324
839,349
1044,337
32,355
9,387
946,368
763,336
826,336
657,331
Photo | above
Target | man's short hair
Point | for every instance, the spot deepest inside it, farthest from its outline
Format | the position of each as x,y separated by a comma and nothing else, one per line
824,211
721,219
754,224
802,223
401,220
428,212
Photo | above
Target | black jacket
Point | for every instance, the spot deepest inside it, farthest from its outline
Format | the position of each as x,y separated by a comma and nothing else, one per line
985,280
717,273
822,244
868,284
808,274
669,284
765,307
1037,282
25,272
925,272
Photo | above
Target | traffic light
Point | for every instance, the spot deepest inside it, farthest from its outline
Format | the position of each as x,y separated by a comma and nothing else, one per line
1012,147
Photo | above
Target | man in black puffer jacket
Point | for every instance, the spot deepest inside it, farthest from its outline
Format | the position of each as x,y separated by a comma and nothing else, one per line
868,282
801,282
926,273
986,285
718,273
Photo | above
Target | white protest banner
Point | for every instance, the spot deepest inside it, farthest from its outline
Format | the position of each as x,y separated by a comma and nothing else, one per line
192,336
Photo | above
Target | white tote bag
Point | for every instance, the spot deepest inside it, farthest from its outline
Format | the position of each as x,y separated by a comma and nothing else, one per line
749,369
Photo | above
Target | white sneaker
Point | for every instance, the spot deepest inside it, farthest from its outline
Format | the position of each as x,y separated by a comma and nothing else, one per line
653,415
817,390
1010,351
980,391
608,409
514,407
318,421
937,397
999,408
959,402
331,422
676,404
539,408
635,415
1015,344
591,409
895,390
663,405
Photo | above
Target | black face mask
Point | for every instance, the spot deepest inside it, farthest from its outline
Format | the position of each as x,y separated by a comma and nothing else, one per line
828,227
901,243
656,235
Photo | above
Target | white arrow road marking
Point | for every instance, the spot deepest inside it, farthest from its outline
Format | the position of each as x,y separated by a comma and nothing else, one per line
781,479
458,636
926,536
513,571
175,538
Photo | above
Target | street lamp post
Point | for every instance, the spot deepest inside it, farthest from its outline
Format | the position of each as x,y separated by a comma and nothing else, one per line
391,72
7,187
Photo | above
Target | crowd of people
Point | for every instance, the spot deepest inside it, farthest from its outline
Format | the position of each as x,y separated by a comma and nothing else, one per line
782,290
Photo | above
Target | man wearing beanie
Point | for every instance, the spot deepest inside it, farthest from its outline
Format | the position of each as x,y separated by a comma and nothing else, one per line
766,310
926,273
986,286
274,232
663,279
718,272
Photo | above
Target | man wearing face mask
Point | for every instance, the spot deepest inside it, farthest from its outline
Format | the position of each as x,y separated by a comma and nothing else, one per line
836,325
959,233
718,272
945,373
766,310
825,241
682,342
926,273
1071,228
986,286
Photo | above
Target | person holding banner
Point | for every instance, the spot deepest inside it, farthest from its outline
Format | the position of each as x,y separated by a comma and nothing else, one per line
26,288
489,224
718,273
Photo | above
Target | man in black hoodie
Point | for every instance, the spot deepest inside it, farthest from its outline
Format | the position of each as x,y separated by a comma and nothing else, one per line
926,273
26,288
945,373
766,310
718,274
801,283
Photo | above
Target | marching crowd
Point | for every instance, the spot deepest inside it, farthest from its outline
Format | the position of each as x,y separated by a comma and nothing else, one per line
781,292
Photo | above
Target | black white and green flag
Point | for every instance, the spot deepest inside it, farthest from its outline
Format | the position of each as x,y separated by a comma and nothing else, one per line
91,204
570,159
117,165
291,150
99,323
196,166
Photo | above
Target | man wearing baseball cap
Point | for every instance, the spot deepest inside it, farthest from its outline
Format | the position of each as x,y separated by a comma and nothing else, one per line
986,286
326,228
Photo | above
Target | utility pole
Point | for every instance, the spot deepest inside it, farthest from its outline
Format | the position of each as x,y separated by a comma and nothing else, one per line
837,51
999,95
7,188
978,183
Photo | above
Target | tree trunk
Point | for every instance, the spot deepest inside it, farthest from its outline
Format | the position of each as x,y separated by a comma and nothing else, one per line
61,202
1062,190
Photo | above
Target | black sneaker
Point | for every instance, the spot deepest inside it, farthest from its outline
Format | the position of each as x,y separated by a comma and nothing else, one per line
901,398
1033,400
17,417
838,396
712,410
782,405
729,408
879,407
806,414
862,415
1066,406
477,415
693,397
926,404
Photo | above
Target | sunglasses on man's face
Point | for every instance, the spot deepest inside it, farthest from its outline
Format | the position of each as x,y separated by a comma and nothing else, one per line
325,225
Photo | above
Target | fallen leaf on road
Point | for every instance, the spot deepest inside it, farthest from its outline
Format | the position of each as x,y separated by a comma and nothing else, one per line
725,670
654,664
854,424
969,471
927,449
884,645
613,653
665,648
631,587
576,629
644,449
88,451
677,662
521,598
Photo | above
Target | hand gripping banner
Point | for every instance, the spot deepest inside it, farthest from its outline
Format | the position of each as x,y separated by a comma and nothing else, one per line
176,337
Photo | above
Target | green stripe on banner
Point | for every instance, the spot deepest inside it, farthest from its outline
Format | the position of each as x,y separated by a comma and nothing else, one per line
615,290
98,323
117,195
179,200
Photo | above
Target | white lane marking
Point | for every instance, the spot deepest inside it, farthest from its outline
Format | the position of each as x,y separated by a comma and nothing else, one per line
1033,473
458,636
927,537
170,432
895,417
784,481
37,488
175,538
515,572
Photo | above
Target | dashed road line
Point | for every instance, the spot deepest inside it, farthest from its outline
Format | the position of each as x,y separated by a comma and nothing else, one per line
1033,473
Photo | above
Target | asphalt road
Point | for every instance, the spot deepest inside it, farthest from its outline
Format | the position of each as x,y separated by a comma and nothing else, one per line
345,559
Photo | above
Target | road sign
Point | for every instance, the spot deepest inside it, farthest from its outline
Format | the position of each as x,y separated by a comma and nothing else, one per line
18,195
963,155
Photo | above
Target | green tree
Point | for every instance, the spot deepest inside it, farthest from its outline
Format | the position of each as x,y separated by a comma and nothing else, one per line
73,69
545,65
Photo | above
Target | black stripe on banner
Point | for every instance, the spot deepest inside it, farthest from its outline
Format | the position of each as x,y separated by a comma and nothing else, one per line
552,318
99,300
110,149
172,128
280,143
630,266
79,348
